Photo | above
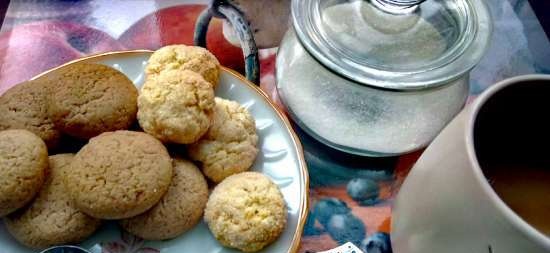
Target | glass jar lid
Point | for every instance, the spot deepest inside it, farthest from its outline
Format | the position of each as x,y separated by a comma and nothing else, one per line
394,44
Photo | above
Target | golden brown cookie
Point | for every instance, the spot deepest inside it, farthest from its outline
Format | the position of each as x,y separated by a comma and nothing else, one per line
23,165
179,210
182,57
119,175
25,106
229,146
176,106
246,211
51,219
89,99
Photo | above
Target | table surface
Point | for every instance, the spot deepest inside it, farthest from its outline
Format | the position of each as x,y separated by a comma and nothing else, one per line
30,36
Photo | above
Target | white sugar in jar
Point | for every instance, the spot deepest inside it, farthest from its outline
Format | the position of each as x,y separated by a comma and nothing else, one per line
373,81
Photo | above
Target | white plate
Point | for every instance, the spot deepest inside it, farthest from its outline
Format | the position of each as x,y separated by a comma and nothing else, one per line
280,158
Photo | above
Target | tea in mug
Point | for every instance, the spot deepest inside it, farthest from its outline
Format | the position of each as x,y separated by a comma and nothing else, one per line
526,190
512,143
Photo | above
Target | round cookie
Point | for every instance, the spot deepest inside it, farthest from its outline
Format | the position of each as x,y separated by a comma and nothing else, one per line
51,219
89,99
24,106
179,210
229,146
119,175
23,165
246,211
182,57
176,107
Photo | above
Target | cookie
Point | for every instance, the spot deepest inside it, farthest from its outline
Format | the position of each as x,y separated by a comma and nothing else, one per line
229,146
246,211
23,165
119,175
182,57
89,99
51,219
179,210
24,106
176,107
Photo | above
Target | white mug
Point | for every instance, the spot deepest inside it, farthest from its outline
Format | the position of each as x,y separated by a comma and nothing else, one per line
446,204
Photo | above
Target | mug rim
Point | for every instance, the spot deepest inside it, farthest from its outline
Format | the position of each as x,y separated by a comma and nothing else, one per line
517,221
65,247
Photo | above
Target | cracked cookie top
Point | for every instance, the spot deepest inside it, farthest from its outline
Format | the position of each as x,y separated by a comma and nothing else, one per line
179,210
182,57
51,219
25,106
89,99
119,175
23,165
246,211
229,146
176,106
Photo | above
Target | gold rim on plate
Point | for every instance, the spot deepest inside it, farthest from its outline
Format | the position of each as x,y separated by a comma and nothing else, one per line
297,144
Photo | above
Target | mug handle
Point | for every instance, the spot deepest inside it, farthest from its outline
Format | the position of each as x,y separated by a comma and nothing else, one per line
223,9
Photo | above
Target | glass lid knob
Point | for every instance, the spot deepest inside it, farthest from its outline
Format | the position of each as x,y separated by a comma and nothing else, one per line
397,6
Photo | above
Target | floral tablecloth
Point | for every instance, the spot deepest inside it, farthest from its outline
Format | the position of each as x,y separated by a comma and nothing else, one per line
351,196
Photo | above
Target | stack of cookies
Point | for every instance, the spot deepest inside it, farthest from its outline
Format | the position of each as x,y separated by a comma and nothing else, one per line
124,171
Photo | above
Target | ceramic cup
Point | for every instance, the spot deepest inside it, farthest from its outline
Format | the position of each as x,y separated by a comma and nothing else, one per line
446,203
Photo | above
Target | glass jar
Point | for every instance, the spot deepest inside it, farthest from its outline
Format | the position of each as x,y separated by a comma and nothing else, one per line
379,77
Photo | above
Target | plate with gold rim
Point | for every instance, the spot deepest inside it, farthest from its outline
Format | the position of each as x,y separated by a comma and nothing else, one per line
280,158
